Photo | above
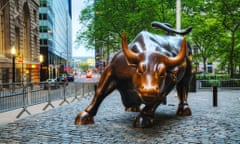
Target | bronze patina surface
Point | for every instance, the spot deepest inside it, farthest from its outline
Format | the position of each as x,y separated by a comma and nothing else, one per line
144,72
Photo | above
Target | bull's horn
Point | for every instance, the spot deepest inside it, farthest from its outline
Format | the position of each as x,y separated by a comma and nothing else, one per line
167,27
179,58
131,57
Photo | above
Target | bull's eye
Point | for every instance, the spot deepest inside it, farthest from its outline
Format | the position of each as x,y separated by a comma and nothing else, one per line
161,75
141,67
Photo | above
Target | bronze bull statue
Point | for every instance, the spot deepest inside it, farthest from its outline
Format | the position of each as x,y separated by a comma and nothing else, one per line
144,72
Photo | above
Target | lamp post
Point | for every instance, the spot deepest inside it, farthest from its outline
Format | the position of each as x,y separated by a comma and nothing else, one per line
178,14
13,52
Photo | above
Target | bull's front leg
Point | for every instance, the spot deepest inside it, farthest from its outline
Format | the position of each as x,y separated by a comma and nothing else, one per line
146,117
105,87
183,107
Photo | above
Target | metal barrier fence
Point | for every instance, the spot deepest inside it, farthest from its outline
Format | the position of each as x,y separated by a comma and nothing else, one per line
223,84
22,95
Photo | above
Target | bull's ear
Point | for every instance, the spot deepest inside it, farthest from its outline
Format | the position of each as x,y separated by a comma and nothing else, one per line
131,57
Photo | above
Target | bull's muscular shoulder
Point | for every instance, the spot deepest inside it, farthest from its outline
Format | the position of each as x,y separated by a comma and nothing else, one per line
146,41
120,68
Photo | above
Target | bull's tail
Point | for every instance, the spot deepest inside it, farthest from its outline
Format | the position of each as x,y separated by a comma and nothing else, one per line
167,27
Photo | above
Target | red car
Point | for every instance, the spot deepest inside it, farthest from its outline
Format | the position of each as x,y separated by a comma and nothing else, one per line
89,75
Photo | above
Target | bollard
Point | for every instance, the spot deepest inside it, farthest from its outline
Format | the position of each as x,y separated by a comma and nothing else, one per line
214,90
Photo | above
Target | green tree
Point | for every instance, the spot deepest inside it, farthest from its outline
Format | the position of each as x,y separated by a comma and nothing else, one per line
228,13
204,39
215,31
204,33
84,66
106,20
215,25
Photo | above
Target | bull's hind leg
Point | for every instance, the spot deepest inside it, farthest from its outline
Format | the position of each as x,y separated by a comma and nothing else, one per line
105,87
182,91
183,107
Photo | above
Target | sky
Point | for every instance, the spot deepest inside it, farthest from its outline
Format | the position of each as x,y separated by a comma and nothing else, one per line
77,6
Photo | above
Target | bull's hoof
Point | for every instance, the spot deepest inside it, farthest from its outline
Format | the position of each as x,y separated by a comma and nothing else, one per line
83,118
143,121
184,110
133,109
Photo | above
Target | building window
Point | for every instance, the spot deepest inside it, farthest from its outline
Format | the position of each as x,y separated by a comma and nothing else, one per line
35,16
5,75
43,29
209,68
43,3
43,16
43,41
195,50
16,4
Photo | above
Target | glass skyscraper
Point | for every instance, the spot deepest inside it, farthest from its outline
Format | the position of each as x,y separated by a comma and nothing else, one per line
55,20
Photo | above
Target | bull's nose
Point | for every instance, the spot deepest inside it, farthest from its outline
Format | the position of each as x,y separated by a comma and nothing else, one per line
146,90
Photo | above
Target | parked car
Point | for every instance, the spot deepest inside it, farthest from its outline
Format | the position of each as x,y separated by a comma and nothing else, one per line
70,77
52,83
62,78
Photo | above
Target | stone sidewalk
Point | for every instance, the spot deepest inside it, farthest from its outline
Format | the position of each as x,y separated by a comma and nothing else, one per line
207,124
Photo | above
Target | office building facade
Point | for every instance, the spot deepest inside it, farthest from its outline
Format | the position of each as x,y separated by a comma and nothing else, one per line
19,34
55,37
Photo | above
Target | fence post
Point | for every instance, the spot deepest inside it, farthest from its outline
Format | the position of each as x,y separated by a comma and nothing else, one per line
75,92
29,95
49,98
193,84
89,88
83,86
25,101
214,90
64,95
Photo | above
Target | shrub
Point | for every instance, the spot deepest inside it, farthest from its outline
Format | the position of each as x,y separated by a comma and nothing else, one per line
201,76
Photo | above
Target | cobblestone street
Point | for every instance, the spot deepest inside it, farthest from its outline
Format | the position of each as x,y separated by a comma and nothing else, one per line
207,124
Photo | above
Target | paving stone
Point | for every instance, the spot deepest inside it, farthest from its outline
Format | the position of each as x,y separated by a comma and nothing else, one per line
207,124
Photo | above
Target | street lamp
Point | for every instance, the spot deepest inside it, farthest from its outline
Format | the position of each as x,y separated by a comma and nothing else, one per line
41,58
13,52
41,61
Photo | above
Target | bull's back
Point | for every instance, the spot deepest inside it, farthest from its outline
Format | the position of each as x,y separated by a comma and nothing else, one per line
167,45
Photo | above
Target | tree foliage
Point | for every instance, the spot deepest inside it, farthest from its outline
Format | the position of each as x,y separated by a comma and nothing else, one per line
205,31
215,25
228,13
108,19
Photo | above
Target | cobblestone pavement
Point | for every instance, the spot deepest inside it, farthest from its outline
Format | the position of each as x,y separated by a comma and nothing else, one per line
207,124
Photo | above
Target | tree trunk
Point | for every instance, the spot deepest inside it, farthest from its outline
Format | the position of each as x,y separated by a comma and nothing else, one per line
231,58
204,67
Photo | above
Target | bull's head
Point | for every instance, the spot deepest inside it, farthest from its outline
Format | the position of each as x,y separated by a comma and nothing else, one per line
151,66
